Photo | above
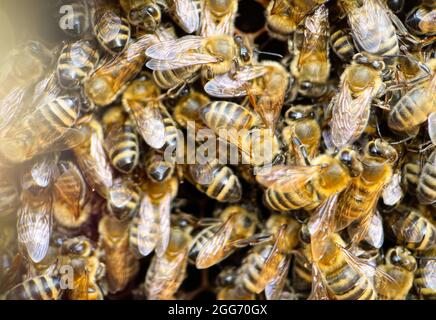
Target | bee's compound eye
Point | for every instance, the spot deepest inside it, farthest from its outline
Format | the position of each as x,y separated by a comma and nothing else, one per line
345,157
152,11
312,115
372,149
245,55
306,85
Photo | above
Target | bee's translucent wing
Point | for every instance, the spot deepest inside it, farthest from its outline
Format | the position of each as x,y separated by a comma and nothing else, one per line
34,227
11,105
171,49
183,60
214,250
164,210
393,193
350,116
319,287
147,235
187,15
274,288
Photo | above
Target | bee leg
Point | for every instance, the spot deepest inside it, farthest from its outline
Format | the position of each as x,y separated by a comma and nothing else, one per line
302,149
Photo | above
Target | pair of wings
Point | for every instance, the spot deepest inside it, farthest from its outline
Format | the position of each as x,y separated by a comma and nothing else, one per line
315,41
285,178
93,162
69,187
349,115
178,53
34,226
224,25
149,121
154,225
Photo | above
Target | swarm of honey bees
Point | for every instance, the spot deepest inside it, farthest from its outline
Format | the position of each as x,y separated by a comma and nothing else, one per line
95,204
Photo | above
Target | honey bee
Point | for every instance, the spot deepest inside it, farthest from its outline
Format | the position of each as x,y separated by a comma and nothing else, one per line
283,16
152,230
359,200
121,264
44,287
266,92
411,172
372,27
121,141
409,228
141,100
76,62
422,19
302,133
342,45
360,83
218,17
30,138
235,229
426,189
416,106
70,190
400,265
142,13
17,81
266,266
217,181
166,273
80,253
215,54
9,196
158,168
229,289
111,29
92,160
396,6
424,276
295,187
310,65
123,199
109,80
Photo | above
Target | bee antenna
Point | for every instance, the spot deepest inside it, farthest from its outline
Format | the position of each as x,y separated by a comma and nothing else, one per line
269,53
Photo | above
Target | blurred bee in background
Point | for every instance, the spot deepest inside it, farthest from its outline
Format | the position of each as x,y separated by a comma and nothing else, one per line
123,199
111,29
109,80
151,229
401,265
30,138
17,81
121,264
9,196
166,273
359,200
422,19
310,65
266,266
301,134
416,106
218,17
229,289
425,276
360,83
234,229
295,187
284,16
409,228
121,141
92,160
76,62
